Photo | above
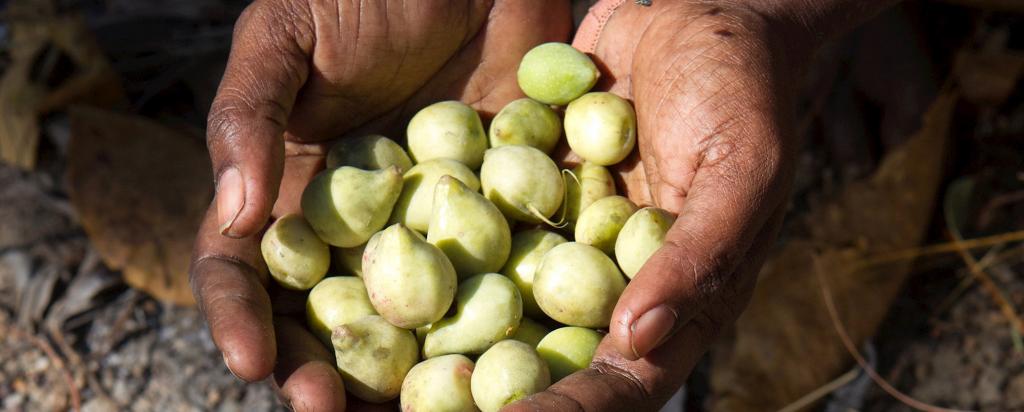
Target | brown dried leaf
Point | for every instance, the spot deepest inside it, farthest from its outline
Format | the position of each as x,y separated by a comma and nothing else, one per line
785,344
37,82
988,77
140,190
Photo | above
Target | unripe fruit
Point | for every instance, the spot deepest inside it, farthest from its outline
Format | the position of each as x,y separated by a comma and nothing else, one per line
509,371
345,206
295,255
528,247
600,223
601,127
447,130
567,350
578,285
410,282
439,384
530,332
488,310
526,122
416,203
556,73
470,230
641,236
336,301
523,182
592,182
373,357
370,152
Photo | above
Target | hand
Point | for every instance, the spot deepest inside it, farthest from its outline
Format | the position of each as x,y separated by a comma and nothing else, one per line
712,84
301,73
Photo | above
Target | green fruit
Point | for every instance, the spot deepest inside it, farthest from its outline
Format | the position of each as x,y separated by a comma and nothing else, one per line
601,127
578,285
416,203
526,122
296,257
567,350
641,236
345,206
439,384
488,310
447,130
370,152
528,247
468,228
600,223
373,357
410,282
592,182
556,73
523,182
509,371
336,301
530,332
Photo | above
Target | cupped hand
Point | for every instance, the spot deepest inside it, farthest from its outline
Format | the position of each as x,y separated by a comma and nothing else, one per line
302,73
712,83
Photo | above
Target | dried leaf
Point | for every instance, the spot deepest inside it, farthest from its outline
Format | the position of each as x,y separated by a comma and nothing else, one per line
785,344
54,62
988,77
28,214
140,190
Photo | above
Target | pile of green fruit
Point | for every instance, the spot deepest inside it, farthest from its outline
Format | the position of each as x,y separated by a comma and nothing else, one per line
441,273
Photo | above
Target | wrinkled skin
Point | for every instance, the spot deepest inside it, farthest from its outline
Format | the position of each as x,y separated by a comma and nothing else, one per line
300,74
713,90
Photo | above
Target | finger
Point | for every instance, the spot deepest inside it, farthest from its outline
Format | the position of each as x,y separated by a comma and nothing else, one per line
266,69
305,370
228,278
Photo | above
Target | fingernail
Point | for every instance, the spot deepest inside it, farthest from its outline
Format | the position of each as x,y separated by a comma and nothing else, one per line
651,330
228,364
230,199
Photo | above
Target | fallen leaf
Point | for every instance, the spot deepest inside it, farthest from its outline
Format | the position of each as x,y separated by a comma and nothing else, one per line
988,77
140,190
785,345
54,62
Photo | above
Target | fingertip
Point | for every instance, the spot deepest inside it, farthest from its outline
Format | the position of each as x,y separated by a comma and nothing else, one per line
314,387
249,359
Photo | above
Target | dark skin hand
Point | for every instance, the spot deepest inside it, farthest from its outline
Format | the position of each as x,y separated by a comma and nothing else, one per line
712,83
300,74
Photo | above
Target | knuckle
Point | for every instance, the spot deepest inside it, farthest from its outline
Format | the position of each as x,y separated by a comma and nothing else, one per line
635,386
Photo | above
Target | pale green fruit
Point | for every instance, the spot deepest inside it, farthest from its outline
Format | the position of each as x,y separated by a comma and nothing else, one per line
526,122
523,182
592,182
509,371
468,228
336,301
296,257
530,332
567,350
416,203
447,130
578,285
601,127
556,73
349,260
374,357
440,384
600,223
640,237
411,283
345,206
488,309
421,334
528,247
370,152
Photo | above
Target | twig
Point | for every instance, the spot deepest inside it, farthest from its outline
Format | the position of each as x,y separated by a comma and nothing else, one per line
993,289
43,345
852,349
940,248
822,391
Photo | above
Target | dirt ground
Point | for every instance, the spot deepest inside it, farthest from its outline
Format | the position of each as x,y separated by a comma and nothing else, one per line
75,335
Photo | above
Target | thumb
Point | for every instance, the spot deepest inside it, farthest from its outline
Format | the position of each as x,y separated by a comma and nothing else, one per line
248,117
